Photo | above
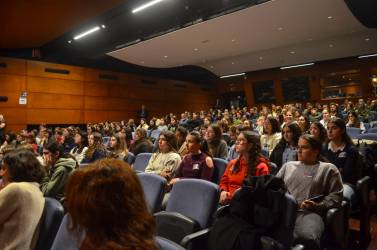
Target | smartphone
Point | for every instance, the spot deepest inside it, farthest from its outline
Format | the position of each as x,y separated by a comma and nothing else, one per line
316,198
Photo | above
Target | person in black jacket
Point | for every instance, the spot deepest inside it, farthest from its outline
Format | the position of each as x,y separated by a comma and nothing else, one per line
141,144
286,150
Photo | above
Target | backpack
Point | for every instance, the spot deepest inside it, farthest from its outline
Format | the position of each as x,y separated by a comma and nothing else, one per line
253,211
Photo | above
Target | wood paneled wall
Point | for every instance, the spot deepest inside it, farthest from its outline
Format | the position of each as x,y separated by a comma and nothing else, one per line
367,67
89,95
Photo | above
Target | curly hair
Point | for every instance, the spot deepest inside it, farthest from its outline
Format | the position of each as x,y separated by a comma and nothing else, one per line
106,199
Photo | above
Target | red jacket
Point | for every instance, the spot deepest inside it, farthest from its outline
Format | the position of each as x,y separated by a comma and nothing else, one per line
230,182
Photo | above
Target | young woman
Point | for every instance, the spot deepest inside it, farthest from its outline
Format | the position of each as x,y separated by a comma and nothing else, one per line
340,151
166,161
96,149
353,121
197,163
81,146
286,150
271,134
303,122
21,200
308,178
325,118
106,200
217,146
181,134
143,124
249,163
140,144
118,147
318,131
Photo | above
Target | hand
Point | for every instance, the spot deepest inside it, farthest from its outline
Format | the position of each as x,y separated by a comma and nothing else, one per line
173,181
166,174
308,205
224,196
47,160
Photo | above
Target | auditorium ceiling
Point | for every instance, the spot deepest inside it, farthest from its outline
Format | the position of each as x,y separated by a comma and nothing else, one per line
185,39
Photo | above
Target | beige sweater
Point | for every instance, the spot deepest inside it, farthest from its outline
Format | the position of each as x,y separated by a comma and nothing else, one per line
21,207
159,162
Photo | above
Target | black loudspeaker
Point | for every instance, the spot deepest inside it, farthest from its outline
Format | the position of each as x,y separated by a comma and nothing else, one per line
3,98
364,11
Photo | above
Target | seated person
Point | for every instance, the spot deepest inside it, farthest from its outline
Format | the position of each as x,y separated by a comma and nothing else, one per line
217,146
318,131
21,201
340,151
286,150
166,160
141,144
250,163
118,147
58,167
271,134
181,134
307,178
197,163
353,121
96,149
81,146
106,200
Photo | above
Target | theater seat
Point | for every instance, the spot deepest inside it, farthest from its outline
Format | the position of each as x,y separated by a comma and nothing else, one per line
65,238
166,244
190,208
220,166
52,216
154,190
130,158
353,132
141,161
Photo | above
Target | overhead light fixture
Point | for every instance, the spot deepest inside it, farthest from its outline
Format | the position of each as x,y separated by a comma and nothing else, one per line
70,41
365,56
297,66
144,6
86,33
103,26
233,75
329,17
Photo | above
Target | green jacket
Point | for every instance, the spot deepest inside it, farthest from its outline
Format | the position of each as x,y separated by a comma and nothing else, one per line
53,184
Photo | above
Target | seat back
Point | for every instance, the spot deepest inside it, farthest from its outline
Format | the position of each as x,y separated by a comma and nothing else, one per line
264,152
372,130
67,239
353,132
106,140
52,216
154,190
220,166
194,198
368,136
141,161
155,134
131,158
166,244
274,168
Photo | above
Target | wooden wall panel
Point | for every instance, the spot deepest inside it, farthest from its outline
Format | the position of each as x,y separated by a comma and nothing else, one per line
36,68
95,103
119,90
13,66
120,115
146,94
55,101
12,83
91,116
54,116
55,86
12,100
96,89
14,115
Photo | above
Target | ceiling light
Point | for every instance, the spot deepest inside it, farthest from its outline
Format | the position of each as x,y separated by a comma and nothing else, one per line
144,6
233,75
367,39
86,33
142,62
233,40
280,28
232,63
103,26
329,17
260,58
374,79
310,39
211,67
70,41
297,66
196,49
330,45
292,52
365,56
165,56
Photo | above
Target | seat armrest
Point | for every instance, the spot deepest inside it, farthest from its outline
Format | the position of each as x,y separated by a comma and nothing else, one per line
362,189
175,226
199,238
269,243
298,247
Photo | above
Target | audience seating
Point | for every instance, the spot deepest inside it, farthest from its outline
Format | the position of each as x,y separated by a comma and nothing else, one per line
67,239
264,152
131,158
141,161
353,132
166,244
368,136
154,190
189,209
220,166
372,130
274,168
106,140
155,134
52,216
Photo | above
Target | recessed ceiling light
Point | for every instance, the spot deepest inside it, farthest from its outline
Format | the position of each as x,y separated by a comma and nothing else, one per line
260,58
292,52
103,26
232,62
86,33
366,56
142,62
165,56
367,39
297,66
144,6
70,41
331,45
233,75
233,40
211,67
196,49
329,17
280,28
205,41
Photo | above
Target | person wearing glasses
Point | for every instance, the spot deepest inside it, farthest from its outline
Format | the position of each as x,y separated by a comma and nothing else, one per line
21,201
317,186
166,160
249,163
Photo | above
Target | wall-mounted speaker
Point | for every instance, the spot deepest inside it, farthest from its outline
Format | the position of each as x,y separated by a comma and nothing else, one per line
3,98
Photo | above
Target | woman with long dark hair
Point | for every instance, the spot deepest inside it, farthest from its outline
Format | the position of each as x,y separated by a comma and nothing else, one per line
217,146
96,149
140,144
318,131
354,121
81,146
271,134
118,147
106,200
286,150
250,163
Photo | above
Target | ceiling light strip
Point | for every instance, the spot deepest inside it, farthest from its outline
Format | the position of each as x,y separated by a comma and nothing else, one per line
144,6
233,75
365,56
86,33
297,66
